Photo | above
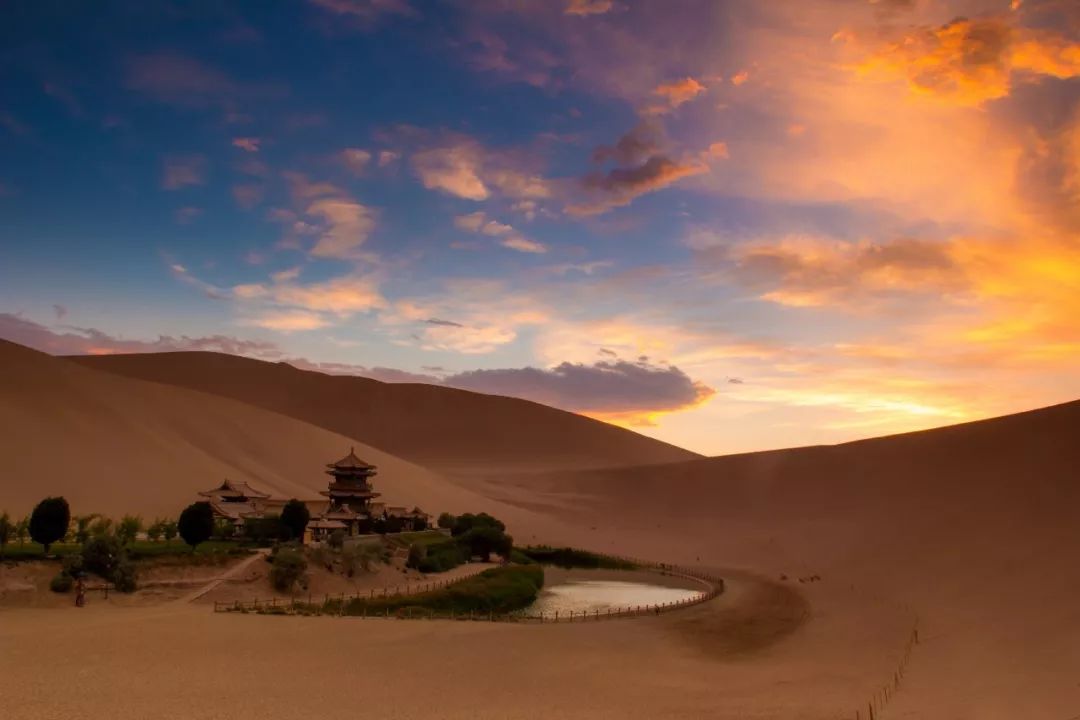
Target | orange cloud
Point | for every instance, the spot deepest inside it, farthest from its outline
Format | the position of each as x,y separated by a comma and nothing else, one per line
289,321
971,61
247,144
674,94
522,244
588,7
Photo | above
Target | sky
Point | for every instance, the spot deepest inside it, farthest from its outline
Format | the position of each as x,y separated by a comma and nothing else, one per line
729,225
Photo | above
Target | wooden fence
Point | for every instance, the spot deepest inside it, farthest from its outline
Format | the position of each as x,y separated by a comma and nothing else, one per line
713,586
873,707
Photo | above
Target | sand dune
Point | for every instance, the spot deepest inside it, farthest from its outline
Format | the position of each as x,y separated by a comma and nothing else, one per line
119,445
440,428
975,526
972,528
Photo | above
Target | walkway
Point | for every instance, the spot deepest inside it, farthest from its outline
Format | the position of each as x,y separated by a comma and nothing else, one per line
230,573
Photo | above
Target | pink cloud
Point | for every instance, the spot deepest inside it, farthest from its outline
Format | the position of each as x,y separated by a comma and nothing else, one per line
182,171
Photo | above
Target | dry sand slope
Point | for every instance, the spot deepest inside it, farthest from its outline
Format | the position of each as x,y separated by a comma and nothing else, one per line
976,528
438,427
118,445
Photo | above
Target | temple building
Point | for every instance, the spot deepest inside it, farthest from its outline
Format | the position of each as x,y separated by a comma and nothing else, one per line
352,507
236,501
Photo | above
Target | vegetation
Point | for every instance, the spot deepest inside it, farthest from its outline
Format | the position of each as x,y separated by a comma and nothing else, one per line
196,523
446,521
266,530
82,527
102,555
7,530
61,582
295,517
289,567
170,529
156,530
129,528
572,558
496,590
49,521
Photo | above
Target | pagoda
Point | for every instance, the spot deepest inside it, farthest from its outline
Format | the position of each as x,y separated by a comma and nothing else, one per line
236,501
350,494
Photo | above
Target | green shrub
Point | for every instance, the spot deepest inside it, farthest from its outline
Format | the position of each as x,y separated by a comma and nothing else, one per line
496,590
289,568
266,530
61,583
567,557
101,555
446,521
520,558
295,517
73,565
125,576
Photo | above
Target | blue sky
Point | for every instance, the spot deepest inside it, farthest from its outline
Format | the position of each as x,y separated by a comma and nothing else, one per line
729,225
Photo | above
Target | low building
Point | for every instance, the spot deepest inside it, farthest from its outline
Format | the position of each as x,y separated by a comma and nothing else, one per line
236,501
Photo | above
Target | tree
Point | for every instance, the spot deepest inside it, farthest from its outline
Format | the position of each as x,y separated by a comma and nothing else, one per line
49,521
295,516
82,527
446,520
102,526
7,529
169,528
288,567
129,528
102,555
156,530
468,521
22,530
196,523
485,539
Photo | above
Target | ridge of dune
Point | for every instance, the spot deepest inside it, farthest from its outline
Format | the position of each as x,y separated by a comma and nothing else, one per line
118,445
438,427
970,526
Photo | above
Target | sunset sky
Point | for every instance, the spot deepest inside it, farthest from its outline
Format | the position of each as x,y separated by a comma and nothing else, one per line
729,225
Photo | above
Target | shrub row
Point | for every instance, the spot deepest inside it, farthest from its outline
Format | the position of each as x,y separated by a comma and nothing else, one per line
567,557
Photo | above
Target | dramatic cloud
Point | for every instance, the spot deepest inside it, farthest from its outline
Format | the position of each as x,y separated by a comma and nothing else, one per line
619,186
478,222
247,144
356,159
180,171
970,61
462,167
588,7
453,170
674,94
365,11
340,224
613,390
88,341
806,271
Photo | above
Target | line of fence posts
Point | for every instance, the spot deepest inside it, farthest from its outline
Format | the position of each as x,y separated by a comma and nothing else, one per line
881,698
716,587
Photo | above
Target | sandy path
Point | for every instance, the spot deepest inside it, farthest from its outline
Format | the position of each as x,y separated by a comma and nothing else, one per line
232,572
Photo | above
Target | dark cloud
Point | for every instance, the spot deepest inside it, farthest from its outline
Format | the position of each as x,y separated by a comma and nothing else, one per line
439,321
635,146
603,387
620,185
89,341
60,311
607,387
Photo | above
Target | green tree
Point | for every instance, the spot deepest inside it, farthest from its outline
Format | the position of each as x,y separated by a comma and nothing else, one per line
196,523
102,554
49,521
82,527
129,528
101,526
447,521
169,529
22,530
7,530
288,568
468,521
295,516
156,530
485,539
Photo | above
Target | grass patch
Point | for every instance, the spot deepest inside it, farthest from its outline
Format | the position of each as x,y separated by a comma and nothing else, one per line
498,590
567,557
422,537
209,552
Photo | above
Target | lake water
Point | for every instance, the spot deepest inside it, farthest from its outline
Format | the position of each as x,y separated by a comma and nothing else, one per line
592,595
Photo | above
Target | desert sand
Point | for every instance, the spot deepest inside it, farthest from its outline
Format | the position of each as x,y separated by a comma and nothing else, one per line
972,529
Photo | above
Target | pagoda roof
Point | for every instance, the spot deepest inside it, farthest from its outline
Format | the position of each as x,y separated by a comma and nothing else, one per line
234,511
348,492
351,462
229,488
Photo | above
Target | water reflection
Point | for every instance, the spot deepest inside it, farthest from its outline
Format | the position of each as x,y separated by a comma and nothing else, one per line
592,595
